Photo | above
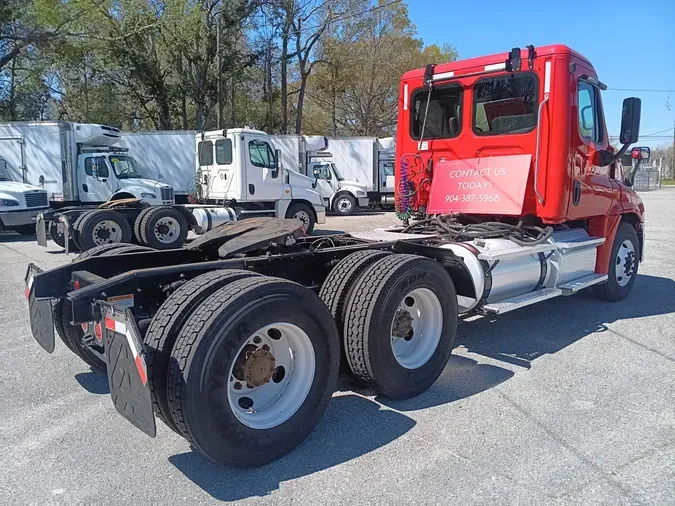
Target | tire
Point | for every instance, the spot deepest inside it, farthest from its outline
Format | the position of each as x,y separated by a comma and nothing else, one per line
380,295
344,204
151,232
75,230
201,372
304,213
166,325
335,289
60,239
71,335
137,226
25,229
103,227
621,277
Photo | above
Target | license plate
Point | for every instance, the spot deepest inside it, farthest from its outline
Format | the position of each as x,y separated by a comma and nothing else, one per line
41,321
127,371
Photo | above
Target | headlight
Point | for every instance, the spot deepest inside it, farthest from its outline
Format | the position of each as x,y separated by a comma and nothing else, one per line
148,195
8,203
360,193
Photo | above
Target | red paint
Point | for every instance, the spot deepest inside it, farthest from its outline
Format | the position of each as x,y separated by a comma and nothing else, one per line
565,156
488,185
604,226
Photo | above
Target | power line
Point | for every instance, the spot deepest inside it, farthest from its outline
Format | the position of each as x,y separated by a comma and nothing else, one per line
660,132
639,89
348,16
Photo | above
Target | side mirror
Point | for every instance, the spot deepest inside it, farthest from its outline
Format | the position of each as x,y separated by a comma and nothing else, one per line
641,153
160,178
316,172
630,121
602,158
277,162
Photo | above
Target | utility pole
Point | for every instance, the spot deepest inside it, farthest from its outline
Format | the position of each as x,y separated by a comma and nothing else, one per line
672,156
220,77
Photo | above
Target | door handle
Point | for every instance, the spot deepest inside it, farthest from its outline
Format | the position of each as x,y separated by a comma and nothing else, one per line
576,193
85,188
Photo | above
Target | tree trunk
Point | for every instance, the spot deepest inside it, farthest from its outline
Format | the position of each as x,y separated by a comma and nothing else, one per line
284,79
301,100
12,91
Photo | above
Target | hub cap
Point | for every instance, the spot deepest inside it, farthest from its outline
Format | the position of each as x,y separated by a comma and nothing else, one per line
106,232
302,216
344,205
625,263
416,328
166,230
271,375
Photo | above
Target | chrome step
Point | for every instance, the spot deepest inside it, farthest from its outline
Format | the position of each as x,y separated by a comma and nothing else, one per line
572,287
504,254
575,238
522,300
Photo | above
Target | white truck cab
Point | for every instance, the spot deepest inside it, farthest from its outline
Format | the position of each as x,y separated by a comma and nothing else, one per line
20,203
339,194
106,172
241,171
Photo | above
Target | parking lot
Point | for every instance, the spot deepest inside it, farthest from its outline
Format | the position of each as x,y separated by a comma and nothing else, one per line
571,401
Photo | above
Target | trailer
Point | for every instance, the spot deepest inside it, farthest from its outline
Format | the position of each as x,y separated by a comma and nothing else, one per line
236,341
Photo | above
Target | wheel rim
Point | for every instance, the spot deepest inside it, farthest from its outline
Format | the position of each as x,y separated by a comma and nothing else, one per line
344,205
416,328
625,263
271,375
166,230
302,216
106,232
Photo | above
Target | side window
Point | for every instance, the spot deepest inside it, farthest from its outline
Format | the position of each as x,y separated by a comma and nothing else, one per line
587,111
388,169
223,151
95,166
261,154
205,150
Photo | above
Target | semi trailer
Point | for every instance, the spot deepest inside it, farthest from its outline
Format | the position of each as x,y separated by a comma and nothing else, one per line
510,195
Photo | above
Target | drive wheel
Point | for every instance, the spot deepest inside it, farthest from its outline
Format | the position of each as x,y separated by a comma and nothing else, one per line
344,204
162,227
304,213
166,325
253,371
400,324
103,227
623,265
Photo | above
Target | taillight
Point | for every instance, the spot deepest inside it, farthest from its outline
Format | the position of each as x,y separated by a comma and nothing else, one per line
85,327
76,284
98,331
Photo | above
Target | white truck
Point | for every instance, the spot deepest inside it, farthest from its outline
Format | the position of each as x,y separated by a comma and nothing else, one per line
20,203
240,174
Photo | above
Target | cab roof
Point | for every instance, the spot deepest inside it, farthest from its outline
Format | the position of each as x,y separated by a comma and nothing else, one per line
492,59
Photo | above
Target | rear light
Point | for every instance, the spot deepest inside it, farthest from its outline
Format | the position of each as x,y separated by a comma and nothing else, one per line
98,332
76,284
85,327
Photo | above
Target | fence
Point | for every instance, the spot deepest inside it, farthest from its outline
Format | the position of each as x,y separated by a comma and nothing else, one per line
647,178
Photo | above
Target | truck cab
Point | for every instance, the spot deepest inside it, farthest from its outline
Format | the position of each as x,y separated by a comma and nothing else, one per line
107,172
528,129
240,168
20,203
339,194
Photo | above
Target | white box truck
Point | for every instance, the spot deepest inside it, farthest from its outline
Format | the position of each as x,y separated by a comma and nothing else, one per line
20,203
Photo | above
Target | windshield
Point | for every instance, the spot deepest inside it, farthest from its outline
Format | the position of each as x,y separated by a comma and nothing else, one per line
125,167
338,176
4,172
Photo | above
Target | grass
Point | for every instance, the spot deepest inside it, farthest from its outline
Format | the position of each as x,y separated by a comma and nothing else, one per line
668,182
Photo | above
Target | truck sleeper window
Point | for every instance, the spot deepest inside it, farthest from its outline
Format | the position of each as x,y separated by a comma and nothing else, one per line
223,151
505,104
444,117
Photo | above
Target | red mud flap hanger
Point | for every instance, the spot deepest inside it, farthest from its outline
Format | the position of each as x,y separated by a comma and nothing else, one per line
127,371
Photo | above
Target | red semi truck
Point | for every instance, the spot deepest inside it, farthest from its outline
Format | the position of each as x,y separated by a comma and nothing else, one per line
510,195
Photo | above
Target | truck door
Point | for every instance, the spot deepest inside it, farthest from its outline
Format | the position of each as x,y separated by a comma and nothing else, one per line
263,180
94,179
592,187
325,183
386,179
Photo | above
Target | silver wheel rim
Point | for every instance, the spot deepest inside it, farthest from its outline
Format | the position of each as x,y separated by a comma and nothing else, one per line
302,216
166,230
344,205
416,328
625,263
106,232
271,375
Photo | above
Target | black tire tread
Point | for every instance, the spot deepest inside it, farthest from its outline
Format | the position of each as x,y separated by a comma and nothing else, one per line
92,215
166,325
603,290
192,333
148,214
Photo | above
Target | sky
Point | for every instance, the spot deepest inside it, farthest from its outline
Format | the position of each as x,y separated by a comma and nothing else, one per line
630,43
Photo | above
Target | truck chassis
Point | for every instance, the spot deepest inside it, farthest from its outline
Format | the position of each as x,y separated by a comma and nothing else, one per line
227,342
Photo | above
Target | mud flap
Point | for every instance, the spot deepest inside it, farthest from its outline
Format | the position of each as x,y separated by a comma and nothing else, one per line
127,372
41,321
41,230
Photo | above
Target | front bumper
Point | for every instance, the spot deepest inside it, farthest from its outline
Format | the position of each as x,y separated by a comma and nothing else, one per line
17,218
320,214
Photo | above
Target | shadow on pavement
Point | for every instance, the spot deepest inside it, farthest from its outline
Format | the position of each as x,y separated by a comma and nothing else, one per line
93,382
351,427
8,236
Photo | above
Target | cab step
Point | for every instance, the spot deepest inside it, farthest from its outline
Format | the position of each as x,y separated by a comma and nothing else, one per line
572,287
504,254
522,300
575,239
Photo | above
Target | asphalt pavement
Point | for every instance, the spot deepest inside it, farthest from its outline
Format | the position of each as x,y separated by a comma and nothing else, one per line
570,401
